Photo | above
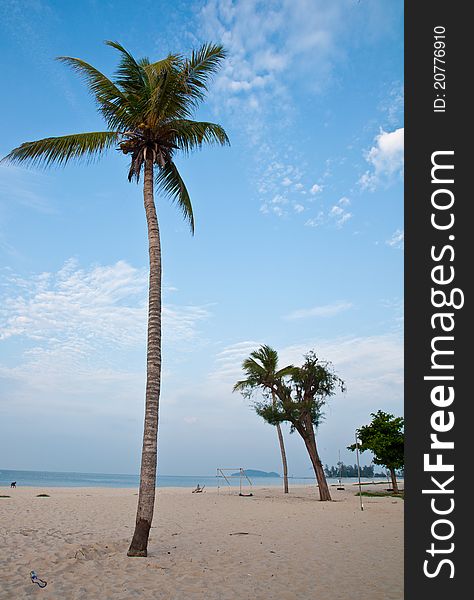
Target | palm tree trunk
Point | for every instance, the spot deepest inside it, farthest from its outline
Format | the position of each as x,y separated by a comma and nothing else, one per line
283,458
310,442
282,450
393,476
146,495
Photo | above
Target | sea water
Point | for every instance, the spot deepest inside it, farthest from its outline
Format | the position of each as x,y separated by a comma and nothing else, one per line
62,479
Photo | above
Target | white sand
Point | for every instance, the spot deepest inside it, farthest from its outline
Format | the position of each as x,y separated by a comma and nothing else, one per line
296,547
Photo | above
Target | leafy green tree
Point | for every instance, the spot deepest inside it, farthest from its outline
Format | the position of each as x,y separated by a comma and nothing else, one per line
148,109
384,437
261,370
343,470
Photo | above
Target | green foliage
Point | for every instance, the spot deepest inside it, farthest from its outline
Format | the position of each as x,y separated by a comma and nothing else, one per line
351,471
262,372
309,389
384,437
148,109
291,394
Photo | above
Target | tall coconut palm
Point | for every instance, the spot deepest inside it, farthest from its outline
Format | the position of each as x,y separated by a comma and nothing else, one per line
262,372
148,109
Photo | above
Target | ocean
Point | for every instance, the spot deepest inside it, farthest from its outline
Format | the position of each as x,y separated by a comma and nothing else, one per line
60,479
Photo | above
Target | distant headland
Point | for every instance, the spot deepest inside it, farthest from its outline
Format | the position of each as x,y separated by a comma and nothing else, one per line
257,473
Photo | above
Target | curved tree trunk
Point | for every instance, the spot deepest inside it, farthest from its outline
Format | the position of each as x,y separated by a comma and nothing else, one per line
310,442
283,458
394,479
146,496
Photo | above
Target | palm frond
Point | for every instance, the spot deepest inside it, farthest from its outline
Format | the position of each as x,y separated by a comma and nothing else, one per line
130,76
166,99
170,181
242,386
186,84
189,135
165,64
171,99
60,150
202,65
99,84
113,104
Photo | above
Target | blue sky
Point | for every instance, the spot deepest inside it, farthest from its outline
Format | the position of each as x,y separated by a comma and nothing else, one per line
298,243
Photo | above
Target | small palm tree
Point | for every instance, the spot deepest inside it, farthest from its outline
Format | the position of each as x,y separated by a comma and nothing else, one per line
148,109
262,372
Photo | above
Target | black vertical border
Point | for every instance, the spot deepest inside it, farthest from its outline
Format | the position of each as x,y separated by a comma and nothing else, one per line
426,132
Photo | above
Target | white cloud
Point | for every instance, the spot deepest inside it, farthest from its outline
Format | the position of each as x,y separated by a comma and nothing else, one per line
79,328
315,189
315,221
344,201
372,368
327,310
392,104
102,305
299,208
266,42
337,214
385,159
397,239
269,47
229,360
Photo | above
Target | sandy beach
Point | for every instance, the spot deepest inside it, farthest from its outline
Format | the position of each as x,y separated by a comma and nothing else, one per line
209,545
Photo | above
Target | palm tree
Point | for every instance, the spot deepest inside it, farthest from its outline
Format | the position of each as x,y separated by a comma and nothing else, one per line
261,370
148,108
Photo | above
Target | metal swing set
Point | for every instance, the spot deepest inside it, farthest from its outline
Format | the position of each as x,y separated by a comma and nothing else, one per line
225,481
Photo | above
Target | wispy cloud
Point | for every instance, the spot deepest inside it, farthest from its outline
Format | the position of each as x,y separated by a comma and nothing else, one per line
97,306
337,215
84,329
316,189
392,104
324,311
372,366
229,360
339,212
103,304
266,42
273,48
396,240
